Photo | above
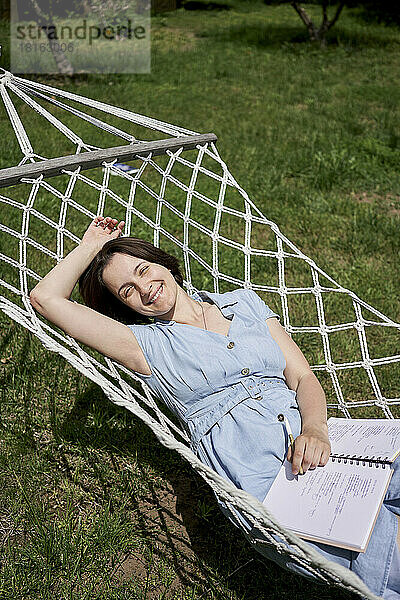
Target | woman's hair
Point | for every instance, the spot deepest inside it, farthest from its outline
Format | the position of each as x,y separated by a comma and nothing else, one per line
96,295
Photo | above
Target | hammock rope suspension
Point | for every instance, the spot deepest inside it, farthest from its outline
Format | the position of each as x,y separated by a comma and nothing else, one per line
182,196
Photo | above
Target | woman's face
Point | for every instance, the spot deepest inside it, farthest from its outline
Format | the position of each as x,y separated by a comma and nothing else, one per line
148,288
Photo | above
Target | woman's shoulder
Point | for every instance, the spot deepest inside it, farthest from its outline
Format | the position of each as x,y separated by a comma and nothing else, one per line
143,331
224,298
239,295
249,300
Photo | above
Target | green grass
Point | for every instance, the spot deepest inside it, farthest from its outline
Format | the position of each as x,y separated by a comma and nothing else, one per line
91,505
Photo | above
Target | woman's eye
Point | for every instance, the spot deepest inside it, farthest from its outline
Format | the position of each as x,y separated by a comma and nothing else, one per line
144,269
127,290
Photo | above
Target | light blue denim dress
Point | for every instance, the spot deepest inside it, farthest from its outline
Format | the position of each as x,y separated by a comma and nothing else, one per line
228,392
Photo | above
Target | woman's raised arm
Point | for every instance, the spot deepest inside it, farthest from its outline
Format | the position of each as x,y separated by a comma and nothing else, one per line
51,298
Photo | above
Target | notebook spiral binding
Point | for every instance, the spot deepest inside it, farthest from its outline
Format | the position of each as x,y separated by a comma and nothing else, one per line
371,461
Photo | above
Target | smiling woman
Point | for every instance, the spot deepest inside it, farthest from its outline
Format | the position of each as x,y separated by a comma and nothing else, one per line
223,365
105,284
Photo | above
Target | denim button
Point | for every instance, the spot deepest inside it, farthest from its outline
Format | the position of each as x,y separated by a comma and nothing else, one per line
281,417
245,371
230,345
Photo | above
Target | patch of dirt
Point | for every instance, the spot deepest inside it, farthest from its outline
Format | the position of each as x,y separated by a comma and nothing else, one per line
181,31
363,197
167,560
368,121
177,37
388,202
136,568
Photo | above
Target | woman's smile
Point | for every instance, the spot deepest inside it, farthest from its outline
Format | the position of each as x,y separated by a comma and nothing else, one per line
156,294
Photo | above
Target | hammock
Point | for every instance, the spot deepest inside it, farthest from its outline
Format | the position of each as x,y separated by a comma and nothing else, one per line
182,197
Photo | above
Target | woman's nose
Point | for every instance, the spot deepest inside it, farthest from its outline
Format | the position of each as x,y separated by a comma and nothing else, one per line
145,289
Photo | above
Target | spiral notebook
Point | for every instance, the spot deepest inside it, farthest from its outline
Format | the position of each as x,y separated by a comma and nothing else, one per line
338,504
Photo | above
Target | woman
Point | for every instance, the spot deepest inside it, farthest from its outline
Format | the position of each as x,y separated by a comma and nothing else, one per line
221,362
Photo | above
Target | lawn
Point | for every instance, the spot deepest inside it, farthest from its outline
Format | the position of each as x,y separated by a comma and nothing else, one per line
91,505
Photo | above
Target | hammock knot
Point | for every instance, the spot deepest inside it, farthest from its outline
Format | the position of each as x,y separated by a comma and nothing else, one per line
367,364
108,165
5,78
28,155
381,402
36,181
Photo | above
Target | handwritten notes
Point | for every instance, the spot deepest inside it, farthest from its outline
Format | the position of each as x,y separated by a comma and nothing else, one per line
336,504
369,438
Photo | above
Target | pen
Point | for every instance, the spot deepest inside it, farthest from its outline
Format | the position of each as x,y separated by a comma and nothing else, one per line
291,438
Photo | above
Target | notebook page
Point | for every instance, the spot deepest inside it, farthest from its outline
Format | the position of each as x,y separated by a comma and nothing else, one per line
337,504
365,437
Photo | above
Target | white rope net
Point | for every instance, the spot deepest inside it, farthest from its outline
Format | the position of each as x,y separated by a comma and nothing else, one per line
189,204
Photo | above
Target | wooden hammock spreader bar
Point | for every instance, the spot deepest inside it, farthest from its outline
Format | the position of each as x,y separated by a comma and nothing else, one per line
87,160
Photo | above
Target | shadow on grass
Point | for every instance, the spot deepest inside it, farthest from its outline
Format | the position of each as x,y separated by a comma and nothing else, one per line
171,524
388,15
205,5
263,35
22,430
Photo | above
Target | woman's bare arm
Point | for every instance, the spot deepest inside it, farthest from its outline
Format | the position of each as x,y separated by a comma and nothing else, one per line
312,447
51,298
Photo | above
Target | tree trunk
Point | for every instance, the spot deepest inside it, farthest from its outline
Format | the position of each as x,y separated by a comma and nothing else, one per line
63,65
318,34
5,10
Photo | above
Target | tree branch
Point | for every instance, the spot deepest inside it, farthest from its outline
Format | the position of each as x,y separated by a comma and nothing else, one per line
325,16
63,64
315,32
326,24
338,11
305,18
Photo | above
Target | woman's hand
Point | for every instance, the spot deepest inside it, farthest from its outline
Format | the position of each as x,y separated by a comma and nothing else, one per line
311,449
102,229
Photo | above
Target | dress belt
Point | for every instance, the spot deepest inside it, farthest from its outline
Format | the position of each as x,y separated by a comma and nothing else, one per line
205,413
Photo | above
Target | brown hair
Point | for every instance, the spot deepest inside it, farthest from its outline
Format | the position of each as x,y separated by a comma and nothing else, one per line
96,295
